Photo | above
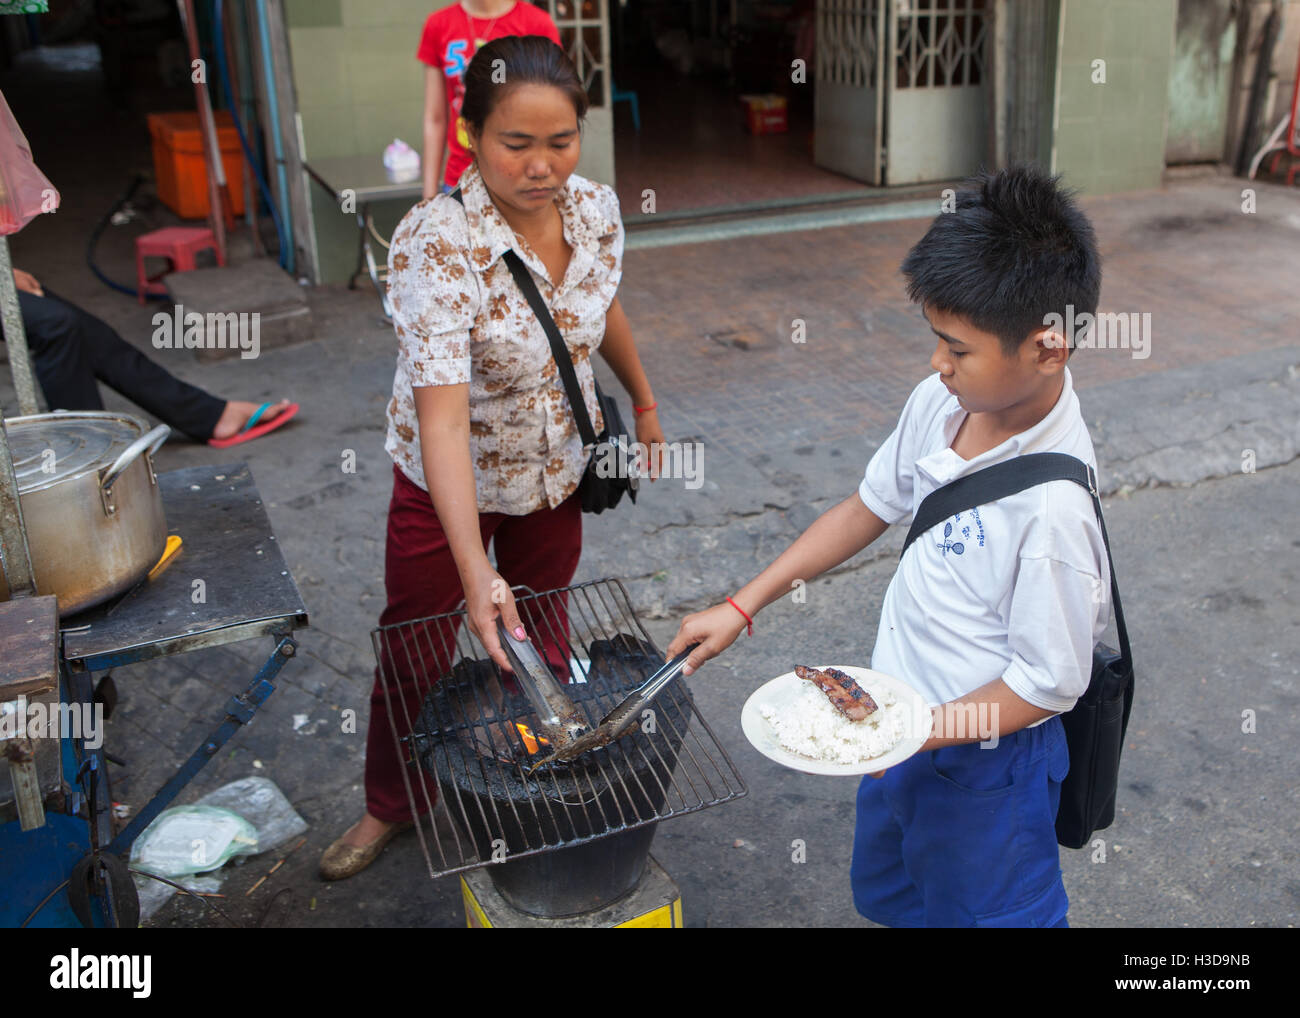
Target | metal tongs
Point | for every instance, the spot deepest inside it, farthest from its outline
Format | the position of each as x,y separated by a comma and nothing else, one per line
558,720
575,739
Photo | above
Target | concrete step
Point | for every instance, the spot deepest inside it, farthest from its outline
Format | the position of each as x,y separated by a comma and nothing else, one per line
707,226
242,309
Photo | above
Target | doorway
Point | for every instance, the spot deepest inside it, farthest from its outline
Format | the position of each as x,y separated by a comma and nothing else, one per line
684,140
901,88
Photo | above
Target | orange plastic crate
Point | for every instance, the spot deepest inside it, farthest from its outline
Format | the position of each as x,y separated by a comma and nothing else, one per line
765,114
179,166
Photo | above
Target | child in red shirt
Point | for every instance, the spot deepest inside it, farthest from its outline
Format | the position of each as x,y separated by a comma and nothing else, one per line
451,37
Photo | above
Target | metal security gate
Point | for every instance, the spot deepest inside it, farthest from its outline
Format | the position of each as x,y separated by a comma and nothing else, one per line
584,35
919,114
850,89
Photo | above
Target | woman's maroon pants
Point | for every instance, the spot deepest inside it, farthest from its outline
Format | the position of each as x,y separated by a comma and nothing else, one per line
540,551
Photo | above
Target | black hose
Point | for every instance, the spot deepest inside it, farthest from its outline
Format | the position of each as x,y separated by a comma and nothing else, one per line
136,180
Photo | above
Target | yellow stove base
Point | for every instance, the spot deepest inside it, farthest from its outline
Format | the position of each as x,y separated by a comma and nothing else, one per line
654,904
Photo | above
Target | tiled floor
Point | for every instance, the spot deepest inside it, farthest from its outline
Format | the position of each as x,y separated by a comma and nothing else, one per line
1205,271
694,152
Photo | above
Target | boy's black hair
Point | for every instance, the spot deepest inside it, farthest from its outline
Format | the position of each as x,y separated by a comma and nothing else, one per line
1016,249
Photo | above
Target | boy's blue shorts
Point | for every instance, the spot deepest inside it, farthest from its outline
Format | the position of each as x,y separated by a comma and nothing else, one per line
964,836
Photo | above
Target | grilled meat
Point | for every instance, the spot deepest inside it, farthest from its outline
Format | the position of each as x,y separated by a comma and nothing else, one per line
844,693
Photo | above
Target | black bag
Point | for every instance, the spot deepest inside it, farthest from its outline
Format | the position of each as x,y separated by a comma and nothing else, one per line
612,469
1095,727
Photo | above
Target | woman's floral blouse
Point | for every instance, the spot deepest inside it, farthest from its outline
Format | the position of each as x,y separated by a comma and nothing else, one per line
460,317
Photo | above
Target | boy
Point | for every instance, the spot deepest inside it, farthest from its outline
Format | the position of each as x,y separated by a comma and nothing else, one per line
992,614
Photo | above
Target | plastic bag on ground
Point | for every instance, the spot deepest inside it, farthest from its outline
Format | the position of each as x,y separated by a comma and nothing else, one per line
260,801
192,839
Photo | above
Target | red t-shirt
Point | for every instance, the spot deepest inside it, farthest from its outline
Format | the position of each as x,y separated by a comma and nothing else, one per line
449,42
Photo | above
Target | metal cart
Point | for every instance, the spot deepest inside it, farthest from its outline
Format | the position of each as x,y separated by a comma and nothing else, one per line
61,864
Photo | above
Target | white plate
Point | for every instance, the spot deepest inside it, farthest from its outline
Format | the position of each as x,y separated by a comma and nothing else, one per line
784,689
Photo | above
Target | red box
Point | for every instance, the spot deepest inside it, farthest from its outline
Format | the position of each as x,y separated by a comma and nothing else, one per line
179,165
765,114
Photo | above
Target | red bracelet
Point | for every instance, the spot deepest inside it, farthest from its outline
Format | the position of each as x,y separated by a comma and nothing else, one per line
742,612
645,409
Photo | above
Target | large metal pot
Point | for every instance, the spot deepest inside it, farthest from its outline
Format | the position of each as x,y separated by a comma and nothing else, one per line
90,502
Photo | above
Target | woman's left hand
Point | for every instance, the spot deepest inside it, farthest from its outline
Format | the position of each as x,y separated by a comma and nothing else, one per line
650,434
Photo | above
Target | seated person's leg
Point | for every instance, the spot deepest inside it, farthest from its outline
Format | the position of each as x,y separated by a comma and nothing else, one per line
122,367
57,340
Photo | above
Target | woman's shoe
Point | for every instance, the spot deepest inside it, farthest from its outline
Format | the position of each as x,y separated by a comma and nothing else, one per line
342,860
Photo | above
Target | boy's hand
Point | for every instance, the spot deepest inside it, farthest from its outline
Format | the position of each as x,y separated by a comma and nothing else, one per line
714,629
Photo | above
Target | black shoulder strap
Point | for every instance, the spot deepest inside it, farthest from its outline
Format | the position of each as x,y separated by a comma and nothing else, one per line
992,483
1008,478
563,361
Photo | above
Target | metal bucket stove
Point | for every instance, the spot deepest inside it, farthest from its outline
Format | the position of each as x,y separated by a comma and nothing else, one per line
563,839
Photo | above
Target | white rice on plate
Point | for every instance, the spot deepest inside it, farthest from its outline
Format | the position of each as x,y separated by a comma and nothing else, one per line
810,726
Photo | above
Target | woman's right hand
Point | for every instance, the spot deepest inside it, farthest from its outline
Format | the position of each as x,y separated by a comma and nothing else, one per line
487,596
714,629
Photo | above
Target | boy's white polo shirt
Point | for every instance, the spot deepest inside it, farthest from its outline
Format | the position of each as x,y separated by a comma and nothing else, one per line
1018,589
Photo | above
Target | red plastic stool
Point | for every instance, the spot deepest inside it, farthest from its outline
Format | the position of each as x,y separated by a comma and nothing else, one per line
179,245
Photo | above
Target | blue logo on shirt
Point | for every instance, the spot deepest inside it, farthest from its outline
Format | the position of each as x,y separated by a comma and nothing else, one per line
974,518
956,547
972,529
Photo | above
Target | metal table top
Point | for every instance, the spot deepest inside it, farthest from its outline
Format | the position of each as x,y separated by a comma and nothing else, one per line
229,581
365,176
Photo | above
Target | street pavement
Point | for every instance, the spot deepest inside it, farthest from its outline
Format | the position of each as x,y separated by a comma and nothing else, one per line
1197,443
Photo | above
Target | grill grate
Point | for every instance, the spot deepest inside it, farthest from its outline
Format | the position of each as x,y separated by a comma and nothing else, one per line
456,718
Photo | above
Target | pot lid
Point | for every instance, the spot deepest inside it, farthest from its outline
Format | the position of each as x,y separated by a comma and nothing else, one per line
55,447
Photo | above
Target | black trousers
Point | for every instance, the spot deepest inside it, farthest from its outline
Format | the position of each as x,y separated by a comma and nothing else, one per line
71,349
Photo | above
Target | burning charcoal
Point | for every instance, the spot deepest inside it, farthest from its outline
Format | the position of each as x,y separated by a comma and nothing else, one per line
484,758
623,661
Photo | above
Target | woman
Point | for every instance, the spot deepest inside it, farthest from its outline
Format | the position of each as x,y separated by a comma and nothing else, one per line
482,436
450,39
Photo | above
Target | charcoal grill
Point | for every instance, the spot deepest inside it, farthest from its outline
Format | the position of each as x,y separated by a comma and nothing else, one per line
568,837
